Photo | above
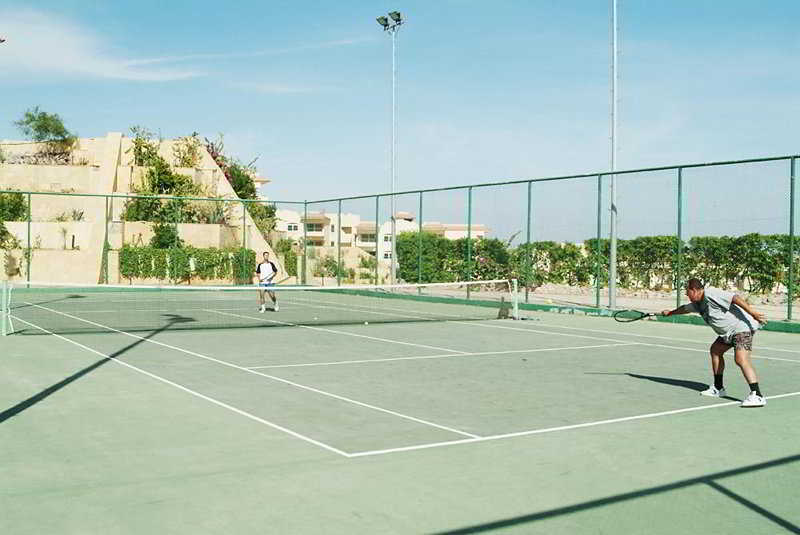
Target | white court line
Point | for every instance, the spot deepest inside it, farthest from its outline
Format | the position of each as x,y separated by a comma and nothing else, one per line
344,333
391,359
549,325
274,378
654,336
554,429
246,414
619,342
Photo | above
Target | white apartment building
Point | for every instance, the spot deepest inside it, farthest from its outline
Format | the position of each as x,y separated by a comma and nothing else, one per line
322,229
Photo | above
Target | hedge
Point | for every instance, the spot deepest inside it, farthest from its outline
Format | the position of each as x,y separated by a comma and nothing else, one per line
753,262
183,264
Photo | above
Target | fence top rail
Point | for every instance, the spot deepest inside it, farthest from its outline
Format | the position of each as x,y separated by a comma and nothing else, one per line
135,196
416,191
564,177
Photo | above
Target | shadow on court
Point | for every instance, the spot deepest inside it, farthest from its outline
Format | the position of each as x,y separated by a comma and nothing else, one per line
49,391
681,383
710,480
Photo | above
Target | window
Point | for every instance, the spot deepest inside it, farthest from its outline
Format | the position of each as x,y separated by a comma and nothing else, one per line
387,237
333,229
387,254
365,238
291,226
331,244
314,227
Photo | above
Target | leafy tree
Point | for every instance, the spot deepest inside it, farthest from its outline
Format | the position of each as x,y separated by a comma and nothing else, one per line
241,180
38,125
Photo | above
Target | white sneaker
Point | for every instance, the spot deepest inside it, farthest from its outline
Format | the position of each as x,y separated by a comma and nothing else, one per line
713,392
263,308
276,307
754,400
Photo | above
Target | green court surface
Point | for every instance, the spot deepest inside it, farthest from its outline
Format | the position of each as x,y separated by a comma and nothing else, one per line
557,424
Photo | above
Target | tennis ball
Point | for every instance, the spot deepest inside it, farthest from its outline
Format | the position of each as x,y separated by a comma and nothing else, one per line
366,323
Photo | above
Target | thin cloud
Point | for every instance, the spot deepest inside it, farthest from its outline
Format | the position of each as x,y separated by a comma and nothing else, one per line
40,43
277,89
252,54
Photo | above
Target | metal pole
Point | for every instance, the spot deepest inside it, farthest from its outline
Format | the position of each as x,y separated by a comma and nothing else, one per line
244,226
678,279
790,285
612,271
339,246
528,252
394,149
29,252
598,248
419,242
305,242
377,231
469,237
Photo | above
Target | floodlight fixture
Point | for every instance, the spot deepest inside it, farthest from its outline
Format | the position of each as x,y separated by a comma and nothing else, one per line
383,21
396,16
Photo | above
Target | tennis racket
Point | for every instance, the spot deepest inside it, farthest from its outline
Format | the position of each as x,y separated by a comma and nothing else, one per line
627,316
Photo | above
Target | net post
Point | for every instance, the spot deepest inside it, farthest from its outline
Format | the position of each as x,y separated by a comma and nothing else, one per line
515,298
469,237
339,246
679,245
790,285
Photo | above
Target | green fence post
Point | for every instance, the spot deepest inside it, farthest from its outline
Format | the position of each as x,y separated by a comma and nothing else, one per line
790,286
528,253
679,245
29,252
598,248
105,245
303,278
469,237
419,243
339,246
377,228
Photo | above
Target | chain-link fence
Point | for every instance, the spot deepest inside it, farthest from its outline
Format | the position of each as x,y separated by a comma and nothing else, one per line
731,224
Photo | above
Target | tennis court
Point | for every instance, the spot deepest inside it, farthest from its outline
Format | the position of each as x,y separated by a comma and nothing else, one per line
337,415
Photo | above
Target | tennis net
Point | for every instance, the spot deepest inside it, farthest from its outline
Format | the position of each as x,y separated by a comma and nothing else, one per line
39,308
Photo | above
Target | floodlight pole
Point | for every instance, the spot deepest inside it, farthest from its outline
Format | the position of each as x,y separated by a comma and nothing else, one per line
612,261
392,25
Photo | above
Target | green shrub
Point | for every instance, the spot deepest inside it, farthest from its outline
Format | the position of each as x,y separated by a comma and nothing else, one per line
165,236
13,207
286,250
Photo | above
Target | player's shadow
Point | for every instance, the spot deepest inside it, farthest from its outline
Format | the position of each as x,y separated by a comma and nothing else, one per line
172,320
681,383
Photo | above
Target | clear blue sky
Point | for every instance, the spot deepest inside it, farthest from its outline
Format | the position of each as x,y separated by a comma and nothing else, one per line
487,90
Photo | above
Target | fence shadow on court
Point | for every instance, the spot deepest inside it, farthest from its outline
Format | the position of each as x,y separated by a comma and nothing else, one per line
49,391
710,480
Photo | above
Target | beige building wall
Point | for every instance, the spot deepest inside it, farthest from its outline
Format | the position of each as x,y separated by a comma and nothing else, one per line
103,166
